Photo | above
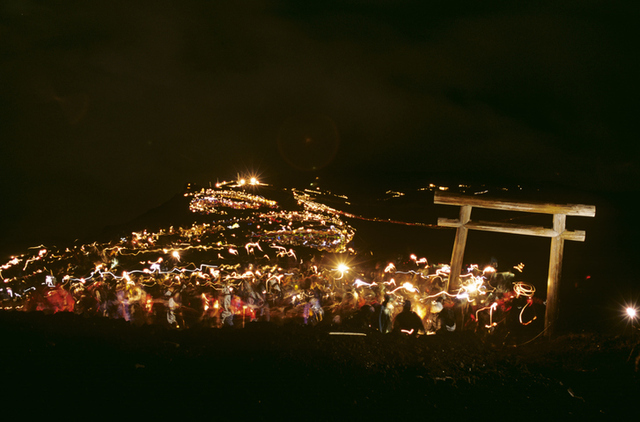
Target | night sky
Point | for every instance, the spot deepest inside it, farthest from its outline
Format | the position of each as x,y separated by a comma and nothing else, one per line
107,108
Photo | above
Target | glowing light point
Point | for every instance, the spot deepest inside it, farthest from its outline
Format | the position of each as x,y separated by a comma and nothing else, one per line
409,287
631,312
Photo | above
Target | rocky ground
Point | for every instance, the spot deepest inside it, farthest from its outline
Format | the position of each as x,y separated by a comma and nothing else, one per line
95,367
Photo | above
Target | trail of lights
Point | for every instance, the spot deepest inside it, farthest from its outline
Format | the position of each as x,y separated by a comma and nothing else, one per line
132,286
210,200
522,312
491,308
126,275
306,200
524,289
223,267
406,286
329,239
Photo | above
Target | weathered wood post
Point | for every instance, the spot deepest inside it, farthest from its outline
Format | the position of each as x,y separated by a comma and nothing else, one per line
558,235
555,267
459,245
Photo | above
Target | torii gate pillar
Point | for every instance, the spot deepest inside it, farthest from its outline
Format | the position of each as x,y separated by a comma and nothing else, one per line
555,268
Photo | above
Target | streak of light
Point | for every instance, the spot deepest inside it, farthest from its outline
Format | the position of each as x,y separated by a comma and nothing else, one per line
250,247
341,333
524,289
360,283
408,287
491,309
522,311
444,271
519,267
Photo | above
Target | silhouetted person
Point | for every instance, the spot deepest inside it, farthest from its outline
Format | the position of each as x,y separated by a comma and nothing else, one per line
447,319
384,318
361,320
227,314
407,321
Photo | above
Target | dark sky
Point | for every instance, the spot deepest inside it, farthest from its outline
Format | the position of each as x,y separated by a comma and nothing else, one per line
107,108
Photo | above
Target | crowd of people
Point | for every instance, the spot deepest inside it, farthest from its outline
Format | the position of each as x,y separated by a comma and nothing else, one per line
406,296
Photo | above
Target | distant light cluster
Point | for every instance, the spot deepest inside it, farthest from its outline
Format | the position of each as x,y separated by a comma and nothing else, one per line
210,200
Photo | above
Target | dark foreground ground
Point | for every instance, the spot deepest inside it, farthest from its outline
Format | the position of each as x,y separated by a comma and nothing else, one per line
87,368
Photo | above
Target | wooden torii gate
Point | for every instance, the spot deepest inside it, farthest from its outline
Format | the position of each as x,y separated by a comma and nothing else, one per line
558,235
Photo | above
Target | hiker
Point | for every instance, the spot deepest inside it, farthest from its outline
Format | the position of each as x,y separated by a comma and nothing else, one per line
407,321
384,317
